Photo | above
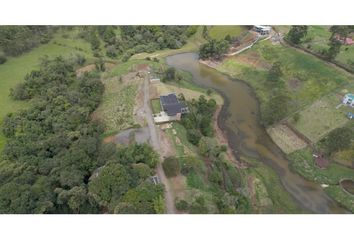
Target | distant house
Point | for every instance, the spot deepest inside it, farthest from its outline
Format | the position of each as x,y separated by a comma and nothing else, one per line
262,29
349,100
172,109
345,41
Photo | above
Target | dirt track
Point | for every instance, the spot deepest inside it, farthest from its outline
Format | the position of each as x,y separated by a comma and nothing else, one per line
155,142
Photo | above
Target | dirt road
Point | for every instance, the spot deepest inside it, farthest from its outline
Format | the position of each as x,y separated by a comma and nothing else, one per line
155,142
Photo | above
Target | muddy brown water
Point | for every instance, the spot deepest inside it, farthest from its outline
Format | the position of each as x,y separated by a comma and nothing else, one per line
239,119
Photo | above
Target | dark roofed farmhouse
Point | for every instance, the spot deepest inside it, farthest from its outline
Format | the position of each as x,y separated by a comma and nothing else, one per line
172,106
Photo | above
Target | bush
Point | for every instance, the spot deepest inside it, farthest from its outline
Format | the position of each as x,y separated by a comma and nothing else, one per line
296,117
171,166
182,205
20,92
338,139
3,58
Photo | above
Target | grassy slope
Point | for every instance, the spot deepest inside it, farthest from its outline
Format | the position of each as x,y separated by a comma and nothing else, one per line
321,117
271,187
315,77
317,40
116,108
302,162
220,32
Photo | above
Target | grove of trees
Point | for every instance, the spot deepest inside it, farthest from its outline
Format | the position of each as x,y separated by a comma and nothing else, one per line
297,33
213,49
54,160
15,40
125,41
199,119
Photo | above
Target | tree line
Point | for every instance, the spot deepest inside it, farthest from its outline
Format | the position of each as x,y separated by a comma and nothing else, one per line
339,33
15,40
125,41
54,160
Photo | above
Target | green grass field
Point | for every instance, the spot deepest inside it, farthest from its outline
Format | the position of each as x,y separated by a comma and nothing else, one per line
343,198
317,40
320,118
156,106
220,32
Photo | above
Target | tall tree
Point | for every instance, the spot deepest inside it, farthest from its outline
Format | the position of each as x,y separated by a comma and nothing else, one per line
296,33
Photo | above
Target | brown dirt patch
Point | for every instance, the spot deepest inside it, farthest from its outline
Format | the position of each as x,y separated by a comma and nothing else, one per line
179,186
167,148
84,69
253,59
285,138
294,84
109,139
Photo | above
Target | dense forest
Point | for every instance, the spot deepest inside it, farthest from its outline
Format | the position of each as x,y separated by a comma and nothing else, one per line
54,159
125,41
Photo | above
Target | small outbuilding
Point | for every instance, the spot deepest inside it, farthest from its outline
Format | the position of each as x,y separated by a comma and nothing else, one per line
262,29
348,100
321,161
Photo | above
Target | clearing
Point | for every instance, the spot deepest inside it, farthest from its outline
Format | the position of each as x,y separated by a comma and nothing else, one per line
285,138
321,117
220,32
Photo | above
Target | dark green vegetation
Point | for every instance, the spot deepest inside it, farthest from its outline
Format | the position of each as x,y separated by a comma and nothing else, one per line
213,49
171,166
125,41
199,119
212,181
338,139
54,160
296,33
15,40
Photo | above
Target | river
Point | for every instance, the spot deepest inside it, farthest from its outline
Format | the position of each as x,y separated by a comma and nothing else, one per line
239,119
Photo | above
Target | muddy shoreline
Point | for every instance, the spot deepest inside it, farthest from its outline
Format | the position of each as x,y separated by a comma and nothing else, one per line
240,125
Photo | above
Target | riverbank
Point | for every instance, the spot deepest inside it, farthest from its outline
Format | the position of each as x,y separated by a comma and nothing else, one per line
237,70
222,140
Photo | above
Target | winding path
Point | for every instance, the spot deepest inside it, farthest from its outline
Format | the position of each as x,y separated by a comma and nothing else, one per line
155,142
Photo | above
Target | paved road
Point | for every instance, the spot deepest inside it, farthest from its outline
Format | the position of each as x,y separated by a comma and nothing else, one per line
155,142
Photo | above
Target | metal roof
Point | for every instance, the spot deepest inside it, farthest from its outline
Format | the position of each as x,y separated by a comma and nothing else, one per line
350,95
171,105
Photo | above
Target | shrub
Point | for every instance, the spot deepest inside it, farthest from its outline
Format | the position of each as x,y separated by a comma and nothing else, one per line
3,58
338,139
296,117
171,166
182,205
